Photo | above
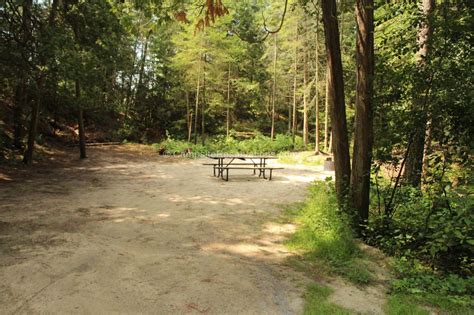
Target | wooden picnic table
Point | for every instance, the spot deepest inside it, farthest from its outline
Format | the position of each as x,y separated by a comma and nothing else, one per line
232,161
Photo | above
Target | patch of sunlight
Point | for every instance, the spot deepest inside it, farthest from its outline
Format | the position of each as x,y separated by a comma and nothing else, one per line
275,228
264,250
207,200
291,179
5,177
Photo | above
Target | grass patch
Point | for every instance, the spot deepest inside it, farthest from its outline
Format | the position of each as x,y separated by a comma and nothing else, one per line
324,238
404,305
316,302
302,158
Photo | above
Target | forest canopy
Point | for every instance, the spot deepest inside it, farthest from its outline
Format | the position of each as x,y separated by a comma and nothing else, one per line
385,88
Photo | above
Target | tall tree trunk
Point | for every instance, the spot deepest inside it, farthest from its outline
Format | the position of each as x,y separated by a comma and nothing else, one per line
295,73
414,163
272,133
316,79
203,109
363,133
337,102
427,149
189,120
228,105
289,107
196,109
27,20
82,134
142,67
20,103
326,113
28,155
35,109
305,97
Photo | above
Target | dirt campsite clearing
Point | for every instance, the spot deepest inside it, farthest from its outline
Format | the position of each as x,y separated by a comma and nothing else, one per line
128,231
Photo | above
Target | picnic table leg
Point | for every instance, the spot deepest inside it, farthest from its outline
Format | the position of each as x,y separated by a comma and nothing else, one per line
214,170
221,170
227,175
270,178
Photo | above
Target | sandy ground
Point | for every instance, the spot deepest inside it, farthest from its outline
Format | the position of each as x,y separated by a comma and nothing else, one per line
130,232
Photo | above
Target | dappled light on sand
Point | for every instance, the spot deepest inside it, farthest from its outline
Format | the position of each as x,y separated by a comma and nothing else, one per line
159,236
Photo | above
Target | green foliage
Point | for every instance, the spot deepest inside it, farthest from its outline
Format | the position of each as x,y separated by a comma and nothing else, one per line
447,291
404,305
316,302
436,229
324,235
221,144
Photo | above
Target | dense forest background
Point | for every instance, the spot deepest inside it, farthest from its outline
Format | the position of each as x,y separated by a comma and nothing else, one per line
212,73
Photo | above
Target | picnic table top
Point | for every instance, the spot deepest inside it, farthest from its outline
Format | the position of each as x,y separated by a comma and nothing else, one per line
240,156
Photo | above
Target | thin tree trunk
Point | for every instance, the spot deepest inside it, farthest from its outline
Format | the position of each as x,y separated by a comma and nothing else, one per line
316,104
189,120
427,149
28,156
414,163
326,113
228,105
196,109
20,103
203,108
337,102
272,133
363,133
290,119
26,20
295,73
305,97
142,67
82,135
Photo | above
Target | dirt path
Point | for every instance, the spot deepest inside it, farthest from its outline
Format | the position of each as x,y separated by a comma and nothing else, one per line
129,233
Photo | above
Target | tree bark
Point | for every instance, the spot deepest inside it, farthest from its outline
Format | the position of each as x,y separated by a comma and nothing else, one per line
142,67
27,20
305,97
295,73
337,102
316,104
363,133
20,104
272,133
326,113
35,109
189,120
82,135
414,163
228,105
196,109
203,108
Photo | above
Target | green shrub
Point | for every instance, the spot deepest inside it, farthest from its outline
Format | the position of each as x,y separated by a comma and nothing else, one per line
438,230
324,235
221,144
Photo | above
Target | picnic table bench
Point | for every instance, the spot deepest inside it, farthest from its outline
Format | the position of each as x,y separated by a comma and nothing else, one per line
253,163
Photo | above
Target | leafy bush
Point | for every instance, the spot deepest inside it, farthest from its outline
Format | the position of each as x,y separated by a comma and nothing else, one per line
449,291
324,235
221,144
437,230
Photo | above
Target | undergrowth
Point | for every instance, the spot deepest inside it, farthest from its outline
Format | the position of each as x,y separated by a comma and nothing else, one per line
260,144
316,302
324,239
